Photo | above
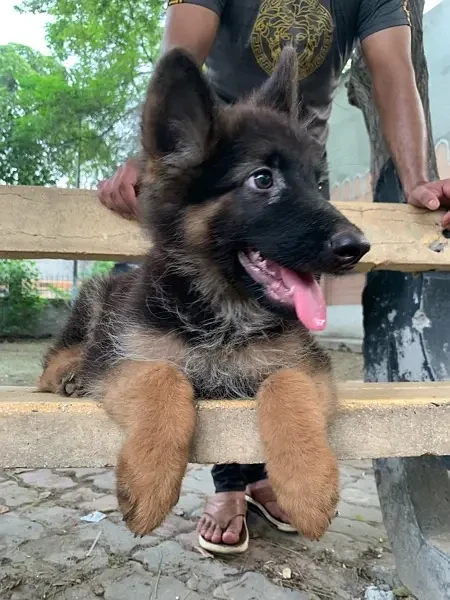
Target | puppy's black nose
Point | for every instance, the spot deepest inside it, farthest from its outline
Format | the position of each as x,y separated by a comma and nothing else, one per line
349,246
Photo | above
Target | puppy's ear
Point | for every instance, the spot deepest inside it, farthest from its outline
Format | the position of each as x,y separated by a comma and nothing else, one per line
280,91
179,112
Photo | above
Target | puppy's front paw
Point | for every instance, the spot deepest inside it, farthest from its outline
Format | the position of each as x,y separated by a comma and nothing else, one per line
310,497
70,385
146,490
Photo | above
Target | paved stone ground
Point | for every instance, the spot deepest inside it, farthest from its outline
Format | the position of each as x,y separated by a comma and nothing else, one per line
47,552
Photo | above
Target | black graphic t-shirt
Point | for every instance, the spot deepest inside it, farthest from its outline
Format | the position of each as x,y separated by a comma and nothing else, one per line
253,32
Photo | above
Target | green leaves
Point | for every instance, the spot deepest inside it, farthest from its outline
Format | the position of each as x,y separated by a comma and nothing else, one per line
114,41
103,29
22,147
20,303
48,121
73,116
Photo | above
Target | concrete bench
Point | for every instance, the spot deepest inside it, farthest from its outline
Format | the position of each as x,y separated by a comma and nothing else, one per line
375,420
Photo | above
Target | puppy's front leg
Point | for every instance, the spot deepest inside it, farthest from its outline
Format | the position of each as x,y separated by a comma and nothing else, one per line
293,413
154,403
61,373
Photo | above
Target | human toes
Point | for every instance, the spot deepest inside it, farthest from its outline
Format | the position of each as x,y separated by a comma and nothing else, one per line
232,533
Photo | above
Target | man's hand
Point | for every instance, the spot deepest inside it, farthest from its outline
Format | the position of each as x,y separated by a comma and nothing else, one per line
432,195
119,192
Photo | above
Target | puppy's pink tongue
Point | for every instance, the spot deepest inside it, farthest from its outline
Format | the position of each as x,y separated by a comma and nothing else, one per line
308,299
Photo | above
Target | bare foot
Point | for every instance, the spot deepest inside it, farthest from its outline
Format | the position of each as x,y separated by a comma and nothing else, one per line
223,519
261,492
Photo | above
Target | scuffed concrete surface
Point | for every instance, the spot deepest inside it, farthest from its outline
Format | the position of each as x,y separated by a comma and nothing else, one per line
46,550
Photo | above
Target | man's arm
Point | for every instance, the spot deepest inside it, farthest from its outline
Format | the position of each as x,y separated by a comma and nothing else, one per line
388,57
189,26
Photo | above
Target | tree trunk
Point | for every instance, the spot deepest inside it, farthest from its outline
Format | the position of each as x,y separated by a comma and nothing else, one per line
405,334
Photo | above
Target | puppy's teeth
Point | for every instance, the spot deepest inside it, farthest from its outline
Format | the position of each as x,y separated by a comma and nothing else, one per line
276,286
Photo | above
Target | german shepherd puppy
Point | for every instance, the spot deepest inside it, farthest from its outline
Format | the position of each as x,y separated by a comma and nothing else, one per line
223,305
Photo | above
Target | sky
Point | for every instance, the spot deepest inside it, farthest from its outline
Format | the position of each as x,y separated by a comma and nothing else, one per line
21,28
30,29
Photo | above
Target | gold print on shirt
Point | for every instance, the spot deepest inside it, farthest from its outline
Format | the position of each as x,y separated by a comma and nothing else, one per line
407,13
306,24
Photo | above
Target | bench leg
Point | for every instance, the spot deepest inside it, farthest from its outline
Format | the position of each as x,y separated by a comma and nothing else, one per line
415,502
406,333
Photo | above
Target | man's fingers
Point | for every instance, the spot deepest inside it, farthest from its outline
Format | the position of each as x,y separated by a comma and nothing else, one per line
112,195
424,198
432,203
128,195
118,193
446,220
137,213
104,193
429,200
100,189
118,204
440,190
446,192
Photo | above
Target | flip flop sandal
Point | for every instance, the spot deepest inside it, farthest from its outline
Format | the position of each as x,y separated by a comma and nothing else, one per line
223,512
265,496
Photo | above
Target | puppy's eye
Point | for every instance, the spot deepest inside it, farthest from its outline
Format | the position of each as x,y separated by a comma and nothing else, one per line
261,180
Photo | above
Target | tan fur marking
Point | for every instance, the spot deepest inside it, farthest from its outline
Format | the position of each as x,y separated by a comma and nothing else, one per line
301,467
64,362
154,403
292,349
328,391
148,171
198,219
147,345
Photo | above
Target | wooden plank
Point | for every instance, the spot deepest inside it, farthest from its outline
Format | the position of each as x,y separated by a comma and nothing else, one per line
374,420
42,222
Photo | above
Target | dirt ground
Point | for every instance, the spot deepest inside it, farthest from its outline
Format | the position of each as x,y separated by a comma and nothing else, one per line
20,362
48,552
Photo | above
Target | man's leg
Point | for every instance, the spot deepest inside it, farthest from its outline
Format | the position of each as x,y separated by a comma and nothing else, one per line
224,515
254,473
228,478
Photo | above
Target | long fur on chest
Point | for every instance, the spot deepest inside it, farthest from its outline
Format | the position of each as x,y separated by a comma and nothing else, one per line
226,351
